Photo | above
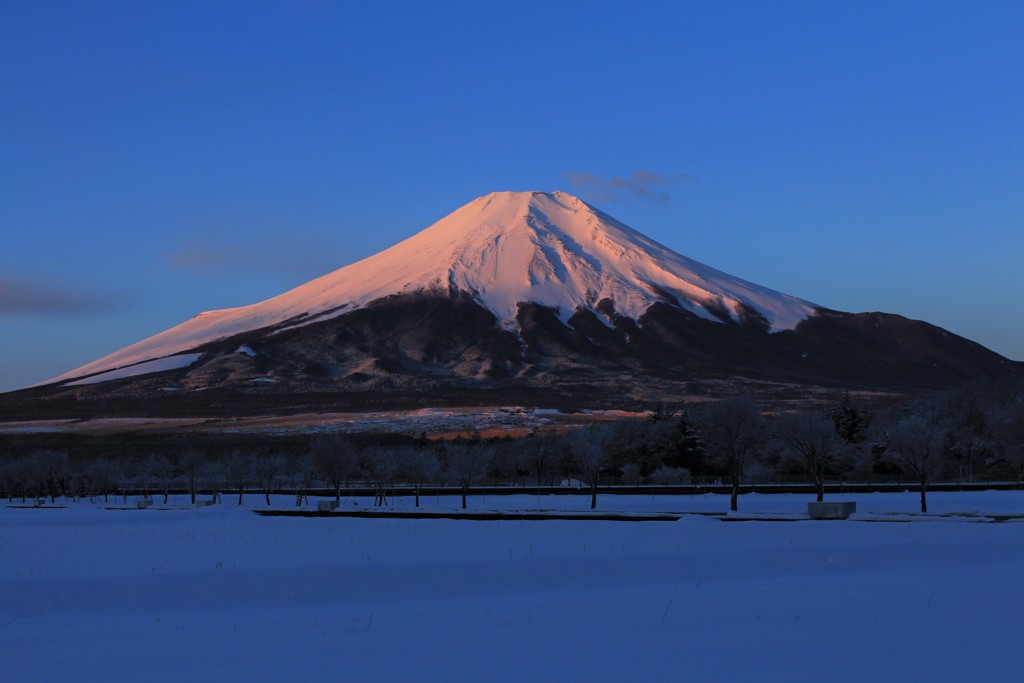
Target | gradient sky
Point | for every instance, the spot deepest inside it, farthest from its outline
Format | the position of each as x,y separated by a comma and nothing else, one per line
158,159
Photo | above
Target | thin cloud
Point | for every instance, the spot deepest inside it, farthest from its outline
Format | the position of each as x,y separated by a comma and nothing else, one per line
214,259
33,297
195,257
642,185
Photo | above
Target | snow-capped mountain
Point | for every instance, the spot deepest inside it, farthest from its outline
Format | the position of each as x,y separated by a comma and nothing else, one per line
503,249
517,297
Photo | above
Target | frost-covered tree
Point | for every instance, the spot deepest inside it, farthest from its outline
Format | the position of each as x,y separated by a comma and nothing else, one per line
537,456
267,469
302,472
733,430
238,471
915,446
139,476
590,455
192,465
815,443
48,471
1010,436
18,480
336,459
378,465
467,464
419,466
670,475
967,440
631,474
103,475
10,479
161,472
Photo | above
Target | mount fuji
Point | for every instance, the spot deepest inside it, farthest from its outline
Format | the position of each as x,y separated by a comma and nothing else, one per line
533,297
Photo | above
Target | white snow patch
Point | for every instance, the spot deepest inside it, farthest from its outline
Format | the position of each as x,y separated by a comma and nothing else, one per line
158,365
247,350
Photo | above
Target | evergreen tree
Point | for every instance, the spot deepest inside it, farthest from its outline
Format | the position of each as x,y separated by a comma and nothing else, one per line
850,420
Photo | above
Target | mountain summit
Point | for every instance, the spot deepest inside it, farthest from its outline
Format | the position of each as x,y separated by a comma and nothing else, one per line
503,249
526,291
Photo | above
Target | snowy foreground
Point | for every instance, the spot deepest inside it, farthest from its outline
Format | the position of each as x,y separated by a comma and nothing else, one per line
221,593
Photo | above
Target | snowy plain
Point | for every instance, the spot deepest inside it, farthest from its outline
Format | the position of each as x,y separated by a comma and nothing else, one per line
220,593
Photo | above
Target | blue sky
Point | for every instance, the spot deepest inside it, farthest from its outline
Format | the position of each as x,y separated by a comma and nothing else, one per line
158,159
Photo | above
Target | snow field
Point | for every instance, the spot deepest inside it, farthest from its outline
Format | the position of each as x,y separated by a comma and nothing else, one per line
220,593
144,368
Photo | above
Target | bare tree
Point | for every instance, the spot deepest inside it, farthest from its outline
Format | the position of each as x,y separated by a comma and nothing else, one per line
1010,434
266,470
302,474
33,474
590,456
141,478
238,470
733,430
815,443
161,469
419,465
538,454
192,465
19,475
466,464
50,471
631,474
11,479
335,458
915,446
967,441
670,475
104,473
378,466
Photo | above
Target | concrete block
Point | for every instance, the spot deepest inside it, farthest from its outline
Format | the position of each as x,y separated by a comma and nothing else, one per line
326,505
831,510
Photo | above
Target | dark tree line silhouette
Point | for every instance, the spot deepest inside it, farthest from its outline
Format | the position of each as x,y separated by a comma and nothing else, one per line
962,435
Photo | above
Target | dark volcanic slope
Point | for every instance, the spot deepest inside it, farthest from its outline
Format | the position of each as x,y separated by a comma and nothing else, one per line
417,350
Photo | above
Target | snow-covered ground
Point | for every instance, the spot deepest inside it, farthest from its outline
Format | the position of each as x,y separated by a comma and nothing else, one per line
220,593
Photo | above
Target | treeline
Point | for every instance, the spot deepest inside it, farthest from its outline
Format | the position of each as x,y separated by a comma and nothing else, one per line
968,434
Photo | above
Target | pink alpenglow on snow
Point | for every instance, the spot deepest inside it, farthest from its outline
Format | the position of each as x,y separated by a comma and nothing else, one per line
502,249
144,368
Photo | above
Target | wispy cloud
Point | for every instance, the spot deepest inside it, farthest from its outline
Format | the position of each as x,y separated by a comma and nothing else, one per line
196,257
642,185
35,297
211,259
